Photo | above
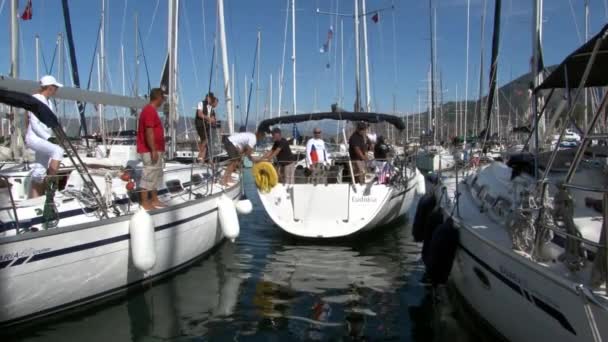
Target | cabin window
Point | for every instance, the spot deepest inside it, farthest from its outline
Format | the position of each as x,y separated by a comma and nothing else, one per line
174,186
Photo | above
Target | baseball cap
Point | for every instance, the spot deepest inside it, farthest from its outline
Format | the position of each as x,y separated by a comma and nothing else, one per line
49,80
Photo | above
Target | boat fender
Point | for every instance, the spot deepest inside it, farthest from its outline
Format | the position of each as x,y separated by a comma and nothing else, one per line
423,210
265,176
432,222
229,221
244,206
442,252
421,186
143,243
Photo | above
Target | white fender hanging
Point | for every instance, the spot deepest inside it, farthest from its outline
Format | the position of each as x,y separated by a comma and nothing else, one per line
421,186
244,206
228,218
143,246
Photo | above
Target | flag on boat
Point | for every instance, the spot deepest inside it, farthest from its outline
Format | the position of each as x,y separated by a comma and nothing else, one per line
376,17
27,12
295,132
326,45
314,157
385,173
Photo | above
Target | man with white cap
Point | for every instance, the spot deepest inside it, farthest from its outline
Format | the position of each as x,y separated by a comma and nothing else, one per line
39,137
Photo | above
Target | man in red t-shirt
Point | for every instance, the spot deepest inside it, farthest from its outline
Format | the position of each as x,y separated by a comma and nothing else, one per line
151,147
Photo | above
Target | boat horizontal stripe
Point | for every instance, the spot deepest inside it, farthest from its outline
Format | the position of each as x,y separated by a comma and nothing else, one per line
549,310
98,243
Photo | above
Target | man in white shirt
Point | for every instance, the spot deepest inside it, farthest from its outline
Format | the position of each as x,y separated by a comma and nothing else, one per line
315,150
238,145
40,138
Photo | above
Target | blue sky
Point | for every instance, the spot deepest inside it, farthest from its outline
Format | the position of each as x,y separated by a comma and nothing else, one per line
244,17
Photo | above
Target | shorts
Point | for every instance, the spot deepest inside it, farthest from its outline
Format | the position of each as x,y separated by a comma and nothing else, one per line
45,151
233,151
152,174
287,171
204,131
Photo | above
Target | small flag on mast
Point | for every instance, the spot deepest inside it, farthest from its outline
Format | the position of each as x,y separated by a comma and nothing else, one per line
375,18
27,13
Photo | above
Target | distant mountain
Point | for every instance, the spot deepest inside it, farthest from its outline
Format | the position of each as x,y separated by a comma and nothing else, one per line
514,103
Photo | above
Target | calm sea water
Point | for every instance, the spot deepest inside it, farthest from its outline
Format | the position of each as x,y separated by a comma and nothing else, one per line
271,287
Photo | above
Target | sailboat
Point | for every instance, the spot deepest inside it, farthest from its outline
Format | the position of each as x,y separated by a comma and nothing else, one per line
91,240
526,236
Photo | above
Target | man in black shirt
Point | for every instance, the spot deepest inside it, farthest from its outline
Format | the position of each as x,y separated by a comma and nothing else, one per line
203,121
285,159
357,148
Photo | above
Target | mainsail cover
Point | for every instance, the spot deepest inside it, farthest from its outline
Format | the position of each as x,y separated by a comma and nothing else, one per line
396,121
569,73
30,103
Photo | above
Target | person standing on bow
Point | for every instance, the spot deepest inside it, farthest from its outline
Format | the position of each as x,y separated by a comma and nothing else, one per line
39,138
151,148
204,120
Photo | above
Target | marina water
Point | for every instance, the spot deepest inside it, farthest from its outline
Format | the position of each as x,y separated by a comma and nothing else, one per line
269,286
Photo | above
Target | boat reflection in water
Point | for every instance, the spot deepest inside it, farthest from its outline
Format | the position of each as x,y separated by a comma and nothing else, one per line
182,305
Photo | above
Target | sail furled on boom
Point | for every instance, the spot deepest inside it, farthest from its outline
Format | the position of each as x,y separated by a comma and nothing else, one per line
493,67
75,75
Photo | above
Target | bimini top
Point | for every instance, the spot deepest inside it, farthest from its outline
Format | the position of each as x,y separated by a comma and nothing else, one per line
570,72
348,116
29,103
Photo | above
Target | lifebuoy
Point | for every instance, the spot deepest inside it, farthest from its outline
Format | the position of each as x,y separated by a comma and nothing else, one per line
265,176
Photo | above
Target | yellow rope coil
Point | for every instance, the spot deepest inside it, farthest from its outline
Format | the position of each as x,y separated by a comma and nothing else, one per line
265,176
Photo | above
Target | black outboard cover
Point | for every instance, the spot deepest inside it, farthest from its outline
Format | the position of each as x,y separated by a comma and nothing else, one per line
442,252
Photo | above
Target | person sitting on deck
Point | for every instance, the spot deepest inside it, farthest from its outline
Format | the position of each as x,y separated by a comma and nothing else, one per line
238,145
40,138
357,151
285,159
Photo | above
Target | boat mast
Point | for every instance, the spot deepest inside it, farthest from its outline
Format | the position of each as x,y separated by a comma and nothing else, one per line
136,80
226,72
293,52
357,60
586,39
493,68
282,71
368,98
37,42
466,79
14,72
432,76
536,39
257,81
270,102
101,76
479,105
172,22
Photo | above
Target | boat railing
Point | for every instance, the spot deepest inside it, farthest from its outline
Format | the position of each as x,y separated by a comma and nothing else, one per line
197,186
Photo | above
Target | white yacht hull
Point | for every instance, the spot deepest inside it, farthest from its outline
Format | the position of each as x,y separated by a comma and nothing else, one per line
522,299
522,302
45,272
339,210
